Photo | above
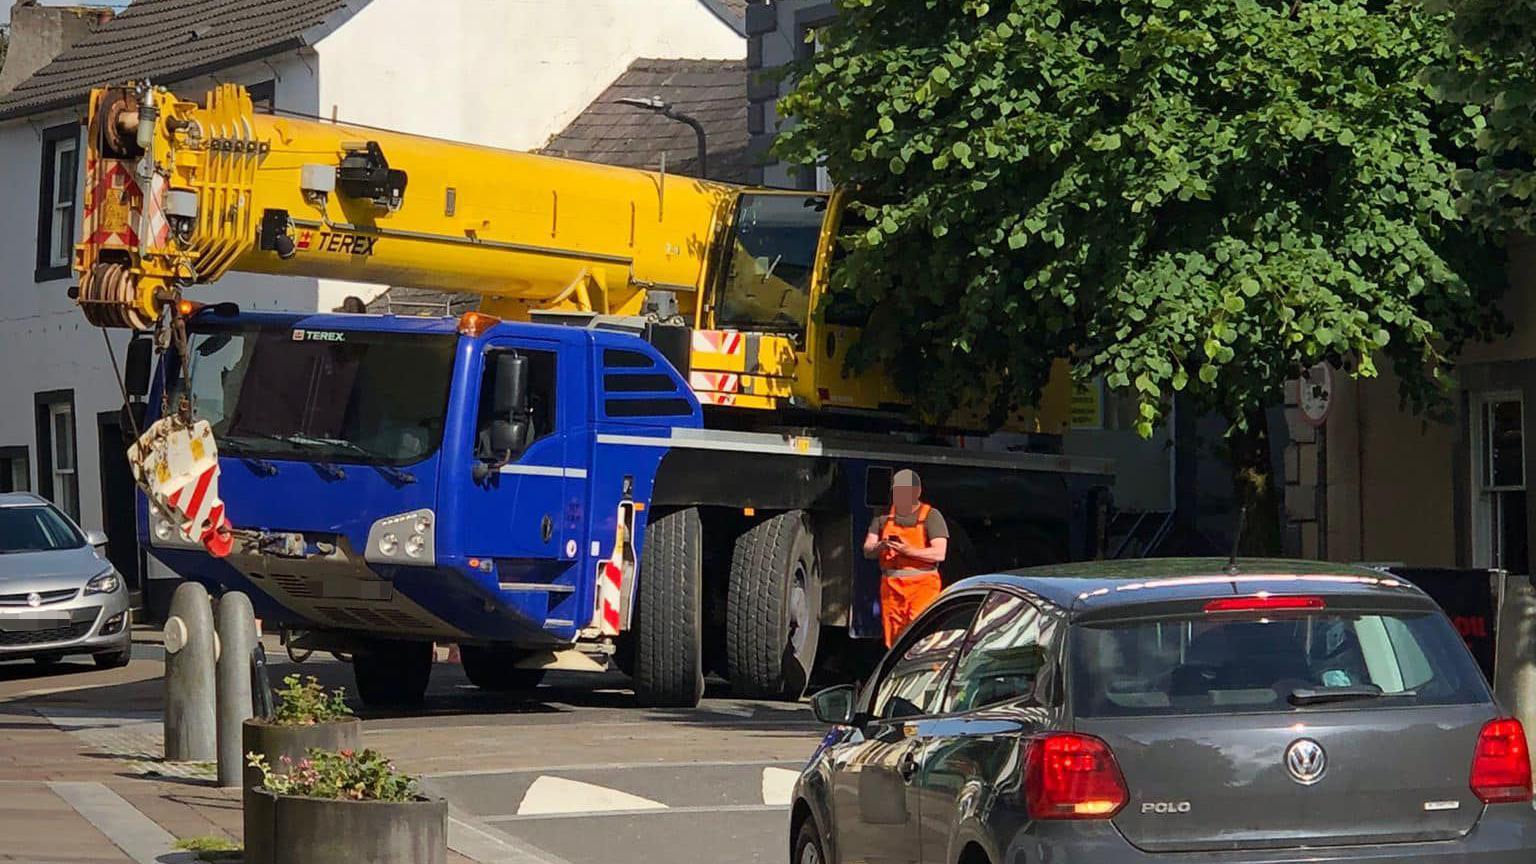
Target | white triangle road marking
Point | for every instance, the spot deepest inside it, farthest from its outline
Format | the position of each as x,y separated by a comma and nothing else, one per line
552,795
778,786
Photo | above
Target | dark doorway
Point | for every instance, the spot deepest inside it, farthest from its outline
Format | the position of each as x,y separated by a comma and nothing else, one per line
119,500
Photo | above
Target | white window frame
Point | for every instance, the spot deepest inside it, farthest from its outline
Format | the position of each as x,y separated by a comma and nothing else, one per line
63,208
63,478
1485,512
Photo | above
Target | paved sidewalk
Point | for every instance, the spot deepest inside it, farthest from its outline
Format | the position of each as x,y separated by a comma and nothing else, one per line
81,778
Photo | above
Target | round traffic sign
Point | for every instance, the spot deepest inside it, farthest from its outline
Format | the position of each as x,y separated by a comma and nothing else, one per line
1315,394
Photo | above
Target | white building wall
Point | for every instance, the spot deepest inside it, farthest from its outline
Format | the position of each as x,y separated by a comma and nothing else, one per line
506,73
45,343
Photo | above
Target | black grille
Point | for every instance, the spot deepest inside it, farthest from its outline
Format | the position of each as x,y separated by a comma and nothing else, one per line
47,597
45,637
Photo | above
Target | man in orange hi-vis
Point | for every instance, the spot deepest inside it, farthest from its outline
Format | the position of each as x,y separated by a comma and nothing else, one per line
910,541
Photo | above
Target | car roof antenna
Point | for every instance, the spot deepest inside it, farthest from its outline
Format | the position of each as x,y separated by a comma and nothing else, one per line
1237,539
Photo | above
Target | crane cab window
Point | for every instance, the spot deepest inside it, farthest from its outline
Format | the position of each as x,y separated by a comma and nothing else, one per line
541,401
772,256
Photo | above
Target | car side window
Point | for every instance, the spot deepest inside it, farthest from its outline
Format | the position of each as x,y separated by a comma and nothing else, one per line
914,675
1004,656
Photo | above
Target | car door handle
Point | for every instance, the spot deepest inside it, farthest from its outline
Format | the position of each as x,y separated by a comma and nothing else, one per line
907,767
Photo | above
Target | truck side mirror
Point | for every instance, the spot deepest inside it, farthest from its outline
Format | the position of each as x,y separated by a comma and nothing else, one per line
136,368
509,404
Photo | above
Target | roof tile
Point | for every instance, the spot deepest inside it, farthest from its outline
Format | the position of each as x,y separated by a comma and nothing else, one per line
167,41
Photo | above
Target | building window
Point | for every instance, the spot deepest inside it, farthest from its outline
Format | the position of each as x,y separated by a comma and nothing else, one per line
264,96
57,469
57,207
15,473
1500,509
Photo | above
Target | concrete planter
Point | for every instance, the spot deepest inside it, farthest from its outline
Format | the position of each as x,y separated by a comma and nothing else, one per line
274,742
283,829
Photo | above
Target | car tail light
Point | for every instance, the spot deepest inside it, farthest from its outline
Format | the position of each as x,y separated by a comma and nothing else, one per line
1501,767
1068,776
1265,603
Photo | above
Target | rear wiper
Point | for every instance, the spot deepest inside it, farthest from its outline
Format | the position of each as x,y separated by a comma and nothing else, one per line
1321,695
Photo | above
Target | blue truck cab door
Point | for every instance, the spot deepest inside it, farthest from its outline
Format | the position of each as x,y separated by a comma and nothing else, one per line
515,506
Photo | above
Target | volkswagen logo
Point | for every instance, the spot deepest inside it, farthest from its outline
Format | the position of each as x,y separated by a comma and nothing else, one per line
1306,761
34,599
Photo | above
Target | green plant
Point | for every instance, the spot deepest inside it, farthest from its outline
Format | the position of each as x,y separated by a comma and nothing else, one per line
210,848
303,702
347,775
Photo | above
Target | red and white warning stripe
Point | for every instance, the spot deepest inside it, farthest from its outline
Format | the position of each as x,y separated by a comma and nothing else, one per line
610,597
718,341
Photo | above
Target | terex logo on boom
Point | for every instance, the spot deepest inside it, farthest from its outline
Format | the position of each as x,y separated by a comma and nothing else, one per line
330,241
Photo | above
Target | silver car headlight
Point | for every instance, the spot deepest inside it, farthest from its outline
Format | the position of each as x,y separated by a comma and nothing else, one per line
104,583
409,538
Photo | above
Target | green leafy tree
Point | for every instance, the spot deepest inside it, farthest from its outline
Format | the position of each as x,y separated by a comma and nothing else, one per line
1493,77
1196,196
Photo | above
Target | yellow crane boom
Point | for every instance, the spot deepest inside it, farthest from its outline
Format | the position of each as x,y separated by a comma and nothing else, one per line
179,194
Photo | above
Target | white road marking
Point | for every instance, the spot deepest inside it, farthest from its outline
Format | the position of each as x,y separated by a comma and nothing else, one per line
557,795
486,845
778,786
665,811
121,822
729,710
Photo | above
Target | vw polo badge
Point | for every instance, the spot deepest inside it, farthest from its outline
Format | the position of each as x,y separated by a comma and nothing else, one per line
34,599
1306,761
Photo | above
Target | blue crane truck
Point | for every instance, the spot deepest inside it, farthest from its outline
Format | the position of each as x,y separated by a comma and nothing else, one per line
553,497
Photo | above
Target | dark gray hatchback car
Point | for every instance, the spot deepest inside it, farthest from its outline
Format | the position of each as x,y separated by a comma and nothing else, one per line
1170,710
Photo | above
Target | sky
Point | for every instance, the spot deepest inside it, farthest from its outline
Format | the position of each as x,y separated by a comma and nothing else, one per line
5,6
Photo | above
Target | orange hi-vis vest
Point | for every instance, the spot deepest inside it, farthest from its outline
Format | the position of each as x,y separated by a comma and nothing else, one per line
901,566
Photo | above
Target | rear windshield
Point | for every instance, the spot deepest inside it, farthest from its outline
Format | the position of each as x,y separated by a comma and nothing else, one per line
1335,660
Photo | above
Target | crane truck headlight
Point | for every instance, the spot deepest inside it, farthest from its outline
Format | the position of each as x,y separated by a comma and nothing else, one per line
406,538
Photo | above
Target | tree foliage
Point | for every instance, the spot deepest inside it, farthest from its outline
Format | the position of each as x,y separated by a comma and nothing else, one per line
1495,77
1204,196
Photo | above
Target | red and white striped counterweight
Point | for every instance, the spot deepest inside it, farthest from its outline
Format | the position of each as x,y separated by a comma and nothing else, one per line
177,465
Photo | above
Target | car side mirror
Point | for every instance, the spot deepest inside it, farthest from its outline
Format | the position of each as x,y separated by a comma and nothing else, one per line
136,367
95,538
834,705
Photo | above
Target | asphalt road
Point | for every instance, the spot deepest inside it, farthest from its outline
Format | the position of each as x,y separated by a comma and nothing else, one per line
572,773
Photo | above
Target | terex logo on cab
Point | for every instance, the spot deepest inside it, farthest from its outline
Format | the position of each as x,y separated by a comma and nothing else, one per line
318,336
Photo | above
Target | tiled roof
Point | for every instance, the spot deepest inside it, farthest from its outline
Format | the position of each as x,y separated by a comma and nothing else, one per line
714,92
423,302
733,12
167,41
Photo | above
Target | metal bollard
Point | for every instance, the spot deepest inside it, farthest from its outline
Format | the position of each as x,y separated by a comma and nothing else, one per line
237,639
190,731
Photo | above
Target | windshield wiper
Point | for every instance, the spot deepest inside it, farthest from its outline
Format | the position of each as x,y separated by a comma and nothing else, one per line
342,443
1323,695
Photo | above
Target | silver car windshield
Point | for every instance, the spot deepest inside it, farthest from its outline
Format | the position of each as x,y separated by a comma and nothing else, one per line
35,529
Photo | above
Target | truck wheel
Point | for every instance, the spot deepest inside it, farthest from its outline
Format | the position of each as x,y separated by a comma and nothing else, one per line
491,669
774,610
669,615
393,673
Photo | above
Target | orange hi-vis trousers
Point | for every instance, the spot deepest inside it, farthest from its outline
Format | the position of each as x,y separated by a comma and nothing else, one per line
903,598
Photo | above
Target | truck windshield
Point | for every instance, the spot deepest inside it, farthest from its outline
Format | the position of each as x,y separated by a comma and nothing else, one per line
342,396
767,281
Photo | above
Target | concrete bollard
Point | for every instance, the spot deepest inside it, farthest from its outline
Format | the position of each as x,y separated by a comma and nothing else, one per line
190,730
237,638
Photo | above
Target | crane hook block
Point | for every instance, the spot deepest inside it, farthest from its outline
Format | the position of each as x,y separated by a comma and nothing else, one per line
176,463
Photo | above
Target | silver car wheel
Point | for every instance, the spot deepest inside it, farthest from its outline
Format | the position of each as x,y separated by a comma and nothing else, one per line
809,854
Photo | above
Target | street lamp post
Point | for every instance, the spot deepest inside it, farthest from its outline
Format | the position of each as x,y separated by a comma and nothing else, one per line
658,105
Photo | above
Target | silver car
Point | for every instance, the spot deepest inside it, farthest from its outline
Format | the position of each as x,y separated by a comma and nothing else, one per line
58,595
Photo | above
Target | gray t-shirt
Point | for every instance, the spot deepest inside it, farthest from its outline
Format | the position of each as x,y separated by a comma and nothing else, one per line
935,526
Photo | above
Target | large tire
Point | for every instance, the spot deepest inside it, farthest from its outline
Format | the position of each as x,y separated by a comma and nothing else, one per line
492,669
669,617
393,674
773,620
